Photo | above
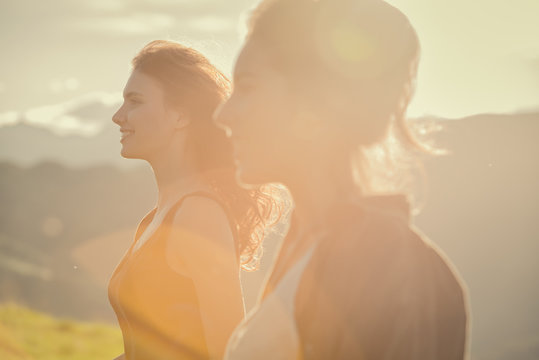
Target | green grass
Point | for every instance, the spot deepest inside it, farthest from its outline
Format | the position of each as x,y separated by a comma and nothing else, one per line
27,334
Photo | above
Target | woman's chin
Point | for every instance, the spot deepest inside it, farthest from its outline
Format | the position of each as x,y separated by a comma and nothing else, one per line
128,154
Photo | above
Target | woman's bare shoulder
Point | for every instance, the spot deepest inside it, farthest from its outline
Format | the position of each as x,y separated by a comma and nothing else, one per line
201,226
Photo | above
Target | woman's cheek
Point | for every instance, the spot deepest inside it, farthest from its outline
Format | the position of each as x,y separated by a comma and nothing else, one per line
138,114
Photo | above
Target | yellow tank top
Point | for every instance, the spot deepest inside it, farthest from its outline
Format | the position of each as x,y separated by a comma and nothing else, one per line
157,308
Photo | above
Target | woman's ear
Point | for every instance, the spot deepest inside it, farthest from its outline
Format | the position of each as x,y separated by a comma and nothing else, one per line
179,119
182,122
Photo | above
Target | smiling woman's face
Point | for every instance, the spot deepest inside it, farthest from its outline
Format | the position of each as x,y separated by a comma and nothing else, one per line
146,123
259,114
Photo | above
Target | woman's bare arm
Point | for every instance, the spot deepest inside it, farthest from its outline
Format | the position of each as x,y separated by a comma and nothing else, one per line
201,243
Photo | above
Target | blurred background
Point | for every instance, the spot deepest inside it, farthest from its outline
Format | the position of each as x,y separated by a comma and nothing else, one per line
69,203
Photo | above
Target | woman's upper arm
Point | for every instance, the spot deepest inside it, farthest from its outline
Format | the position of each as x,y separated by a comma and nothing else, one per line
201,244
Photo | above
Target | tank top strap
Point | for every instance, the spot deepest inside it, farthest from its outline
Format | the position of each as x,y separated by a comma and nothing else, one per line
143,224
169,216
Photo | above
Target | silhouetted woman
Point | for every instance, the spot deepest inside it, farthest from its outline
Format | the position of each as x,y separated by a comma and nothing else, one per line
177,291
320,94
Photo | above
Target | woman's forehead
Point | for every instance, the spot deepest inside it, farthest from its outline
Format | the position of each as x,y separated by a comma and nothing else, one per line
252,60
142,83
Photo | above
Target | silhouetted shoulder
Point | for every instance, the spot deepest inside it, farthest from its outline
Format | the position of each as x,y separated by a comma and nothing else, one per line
384,290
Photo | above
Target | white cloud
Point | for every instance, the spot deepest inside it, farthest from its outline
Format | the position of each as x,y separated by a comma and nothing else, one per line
9,118
134,24
84,115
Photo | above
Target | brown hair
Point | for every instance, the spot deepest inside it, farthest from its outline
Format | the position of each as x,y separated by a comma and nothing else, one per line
197,88
358,60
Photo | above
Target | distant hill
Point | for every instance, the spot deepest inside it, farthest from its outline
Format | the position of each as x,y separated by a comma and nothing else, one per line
48,212
63,229
28,145
483,210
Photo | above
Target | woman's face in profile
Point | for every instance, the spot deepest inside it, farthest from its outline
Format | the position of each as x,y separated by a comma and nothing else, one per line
146,123
258,114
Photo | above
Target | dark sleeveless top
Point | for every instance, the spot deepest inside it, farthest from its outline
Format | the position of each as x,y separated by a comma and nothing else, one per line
378,289
157,308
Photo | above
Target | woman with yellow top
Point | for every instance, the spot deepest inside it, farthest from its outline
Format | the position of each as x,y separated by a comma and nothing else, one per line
176,292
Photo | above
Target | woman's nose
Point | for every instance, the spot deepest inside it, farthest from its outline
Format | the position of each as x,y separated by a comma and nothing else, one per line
117,118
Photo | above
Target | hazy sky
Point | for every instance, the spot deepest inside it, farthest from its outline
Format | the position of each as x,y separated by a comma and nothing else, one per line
477,56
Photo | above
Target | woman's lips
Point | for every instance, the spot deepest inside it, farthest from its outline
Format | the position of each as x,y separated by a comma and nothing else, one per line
125,133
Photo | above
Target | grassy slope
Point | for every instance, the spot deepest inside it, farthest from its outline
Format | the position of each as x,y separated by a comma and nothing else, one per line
27,334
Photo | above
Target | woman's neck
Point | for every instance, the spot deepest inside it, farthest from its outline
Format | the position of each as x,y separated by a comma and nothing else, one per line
315,190
175,177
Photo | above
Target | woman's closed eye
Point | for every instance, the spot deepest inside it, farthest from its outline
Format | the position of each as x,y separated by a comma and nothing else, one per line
245,86
133,98
135,101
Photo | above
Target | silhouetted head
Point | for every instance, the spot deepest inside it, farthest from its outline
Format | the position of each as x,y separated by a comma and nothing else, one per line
169,101
315,81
